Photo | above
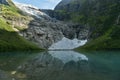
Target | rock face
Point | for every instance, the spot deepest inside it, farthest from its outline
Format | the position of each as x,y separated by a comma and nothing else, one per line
88,11
45,33
3,2
32,11
97,18
44,30
70,5
66,9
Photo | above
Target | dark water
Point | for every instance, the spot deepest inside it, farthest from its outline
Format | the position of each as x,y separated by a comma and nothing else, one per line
60,65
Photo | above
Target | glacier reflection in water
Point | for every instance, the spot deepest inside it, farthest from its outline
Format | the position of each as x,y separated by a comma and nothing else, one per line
56,65
60,65
67,56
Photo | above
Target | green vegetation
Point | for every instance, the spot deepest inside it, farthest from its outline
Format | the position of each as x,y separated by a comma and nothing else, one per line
9,39
109,41
103,18
5,26
106,31
10,11
13,15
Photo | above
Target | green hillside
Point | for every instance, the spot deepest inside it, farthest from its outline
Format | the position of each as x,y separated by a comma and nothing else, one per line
105,25
9,39
101,16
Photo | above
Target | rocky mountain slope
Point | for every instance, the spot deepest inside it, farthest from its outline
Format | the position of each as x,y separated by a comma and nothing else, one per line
95,21
12,21
102,17
36,26
45,31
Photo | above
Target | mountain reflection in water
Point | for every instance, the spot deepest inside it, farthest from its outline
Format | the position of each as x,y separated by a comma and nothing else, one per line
56,65
61,65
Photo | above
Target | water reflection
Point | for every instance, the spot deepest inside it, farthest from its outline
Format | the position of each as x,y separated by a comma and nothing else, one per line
67,56
60,65
9,61
56,65
4,76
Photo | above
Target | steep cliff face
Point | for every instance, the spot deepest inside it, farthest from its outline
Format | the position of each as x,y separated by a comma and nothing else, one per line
11,22
4,2
45,31
66,9
70,5
42,30
101,16
36,26
95,20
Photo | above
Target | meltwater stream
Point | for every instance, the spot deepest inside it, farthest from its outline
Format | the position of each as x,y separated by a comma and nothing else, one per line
60,65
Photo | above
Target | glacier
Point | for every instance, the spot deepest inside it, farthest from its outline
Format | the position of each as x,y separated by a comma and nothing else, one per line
63,44
66,43
32,10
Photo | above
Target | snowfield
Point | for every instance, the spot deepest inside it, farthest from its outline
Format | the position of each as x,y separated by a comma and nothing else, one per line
66,43
63,44
32,10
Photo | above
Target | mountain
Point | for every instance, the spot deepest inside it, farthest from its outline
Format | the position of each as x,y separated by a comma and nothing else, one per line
70,5
26,22
4,2
64,10
46,31
11,22
31,10
73,23
102,17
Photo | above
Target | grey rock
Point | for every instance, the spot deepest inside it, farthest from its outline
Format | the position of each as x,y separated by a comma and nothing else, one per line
45,33
44,30
4,2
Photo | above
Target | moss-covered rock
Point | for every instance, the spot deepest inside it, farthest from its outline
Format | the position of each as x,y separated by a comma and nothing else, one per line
101,16
12,20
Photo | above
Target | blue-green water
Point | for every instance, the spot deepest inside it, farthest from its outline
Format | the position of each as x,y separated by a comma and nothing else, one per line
60,65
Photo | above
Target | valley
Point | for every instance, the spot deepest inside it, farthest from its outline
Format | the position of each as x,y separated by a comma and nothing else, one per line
78,40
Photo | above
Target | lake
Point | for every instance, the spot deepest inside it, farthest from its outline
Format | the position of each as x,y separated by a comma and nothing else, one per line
60,65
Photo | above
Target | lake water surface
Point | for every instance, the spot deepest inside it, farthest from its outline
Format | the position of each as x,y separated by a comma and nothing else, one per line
60,65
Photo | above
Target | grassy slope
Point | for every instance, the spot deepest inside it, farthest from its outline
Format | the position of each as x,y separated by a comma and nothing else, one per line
109,41
106,31
101,16
9,39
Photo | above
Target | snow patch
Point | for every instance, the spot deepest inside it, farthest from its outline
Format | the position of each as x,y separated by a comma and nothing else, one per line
32,10
66,43
67,56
